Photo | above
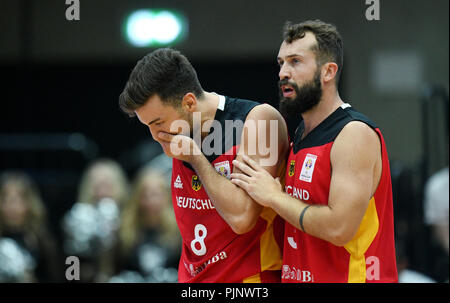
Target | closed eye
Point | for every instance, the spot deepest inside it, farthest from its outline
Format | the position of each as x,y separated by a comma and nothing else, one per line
154,121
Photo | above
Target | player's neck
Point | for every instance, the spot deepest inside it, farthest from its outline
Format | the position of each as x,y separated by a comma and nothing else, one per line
329,102
208,108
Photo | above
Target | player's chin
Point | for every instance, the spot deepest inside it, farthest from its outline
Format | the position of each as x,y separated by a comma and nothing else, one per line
287,99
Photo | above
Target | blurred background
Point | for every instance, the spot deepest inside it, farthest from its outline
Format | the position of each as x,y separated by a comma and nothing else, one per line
78,177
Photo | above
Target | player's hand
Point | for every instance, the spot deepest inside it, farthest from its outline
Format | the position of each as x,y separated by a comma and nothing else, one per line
179,147
256,181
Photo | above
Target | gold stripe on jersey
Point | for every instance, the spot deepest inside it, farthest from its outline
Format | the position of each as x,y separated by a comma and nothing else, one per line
271,258
358,246
253,279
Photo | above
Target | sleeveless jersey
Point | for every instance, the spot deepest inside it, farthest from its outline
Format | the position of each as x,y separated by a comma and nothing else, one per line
211,251
370,255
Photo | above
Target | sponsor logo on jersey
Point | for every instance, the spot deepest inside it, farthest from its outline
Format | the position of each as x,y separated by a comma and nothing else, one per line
292,168
308,168
223,168
195,270
196,184
299,275
178,183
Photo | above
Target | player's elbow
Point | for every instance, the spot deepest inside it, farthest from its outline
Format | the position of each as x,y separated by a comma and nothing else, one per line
341,236
242,224
338,240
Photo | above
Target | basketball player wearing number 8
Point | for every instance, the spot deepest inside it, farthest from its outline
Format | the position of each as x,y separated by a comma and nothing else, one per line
227,237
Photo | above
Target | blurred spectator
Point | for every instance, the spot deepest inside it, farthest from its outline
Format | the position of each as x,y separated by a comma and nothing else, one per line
90,227
149,241
104,178
28,252
436,208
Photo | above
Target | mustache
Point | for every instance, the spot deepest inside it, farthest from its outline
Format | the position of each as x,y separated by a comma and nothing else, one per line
286,82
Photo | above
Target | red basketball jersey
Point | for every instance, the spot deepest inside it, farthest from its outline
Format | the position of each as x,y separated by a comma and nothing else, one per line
370,255
211,251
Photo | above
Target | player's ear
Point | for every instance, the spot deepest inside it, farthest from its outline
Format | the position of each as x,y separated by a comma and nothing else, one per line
189,102
329,71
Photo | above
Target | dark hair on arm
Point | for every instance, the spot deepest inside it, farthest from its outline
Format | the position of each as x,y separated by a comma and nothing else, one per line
164,72
329,48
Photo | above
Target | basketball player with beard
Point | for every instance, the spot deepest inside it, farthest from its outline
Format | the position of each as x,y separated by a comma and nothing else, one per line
337,200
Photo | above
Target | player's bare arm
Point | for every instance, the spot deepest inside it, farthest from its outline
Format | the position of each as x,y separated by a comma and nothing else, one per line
235,206
356,171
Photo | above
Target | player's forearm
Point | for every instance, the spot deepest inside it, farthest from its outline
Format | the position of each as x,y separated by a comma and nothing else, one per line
232,203
315,220
288,208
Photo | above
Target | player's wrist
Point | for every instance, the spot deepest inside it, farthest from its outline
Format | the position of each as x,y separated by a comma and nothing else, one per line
198,162
274,199
193,155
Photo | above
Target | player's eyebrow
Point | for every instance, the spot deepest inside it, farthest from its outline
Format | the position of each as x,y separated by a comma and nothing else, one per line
294,55
154,120
289,56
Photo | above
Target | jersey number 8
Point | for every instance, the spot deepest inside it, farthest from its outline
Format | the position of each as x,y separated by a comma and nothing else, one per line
199,240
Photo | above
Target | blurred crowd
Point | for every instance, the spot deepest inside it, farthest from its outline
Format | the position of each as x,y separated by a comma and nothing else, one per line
124,230
120,230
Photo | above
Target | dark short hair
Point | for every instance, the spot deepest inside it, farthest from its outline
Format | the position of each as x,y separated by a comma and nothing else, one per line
329,48
164,72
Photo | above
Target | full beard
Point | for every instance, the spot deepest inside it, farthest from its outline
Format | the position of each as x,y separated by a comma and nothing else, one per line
306,97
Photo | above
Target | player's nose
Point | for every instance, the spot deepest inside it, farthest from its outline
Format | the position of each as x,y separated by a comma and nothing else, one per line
284,72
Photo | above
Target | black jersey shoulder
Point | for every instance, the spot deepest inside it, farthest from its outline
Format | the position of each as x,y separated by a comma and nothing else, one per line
235,112
329,129
235,109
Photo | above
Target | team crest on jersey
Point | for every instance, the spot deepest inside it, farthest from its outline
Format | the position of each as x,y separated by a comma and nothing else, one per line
308,168
223,168
196,184
291,168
